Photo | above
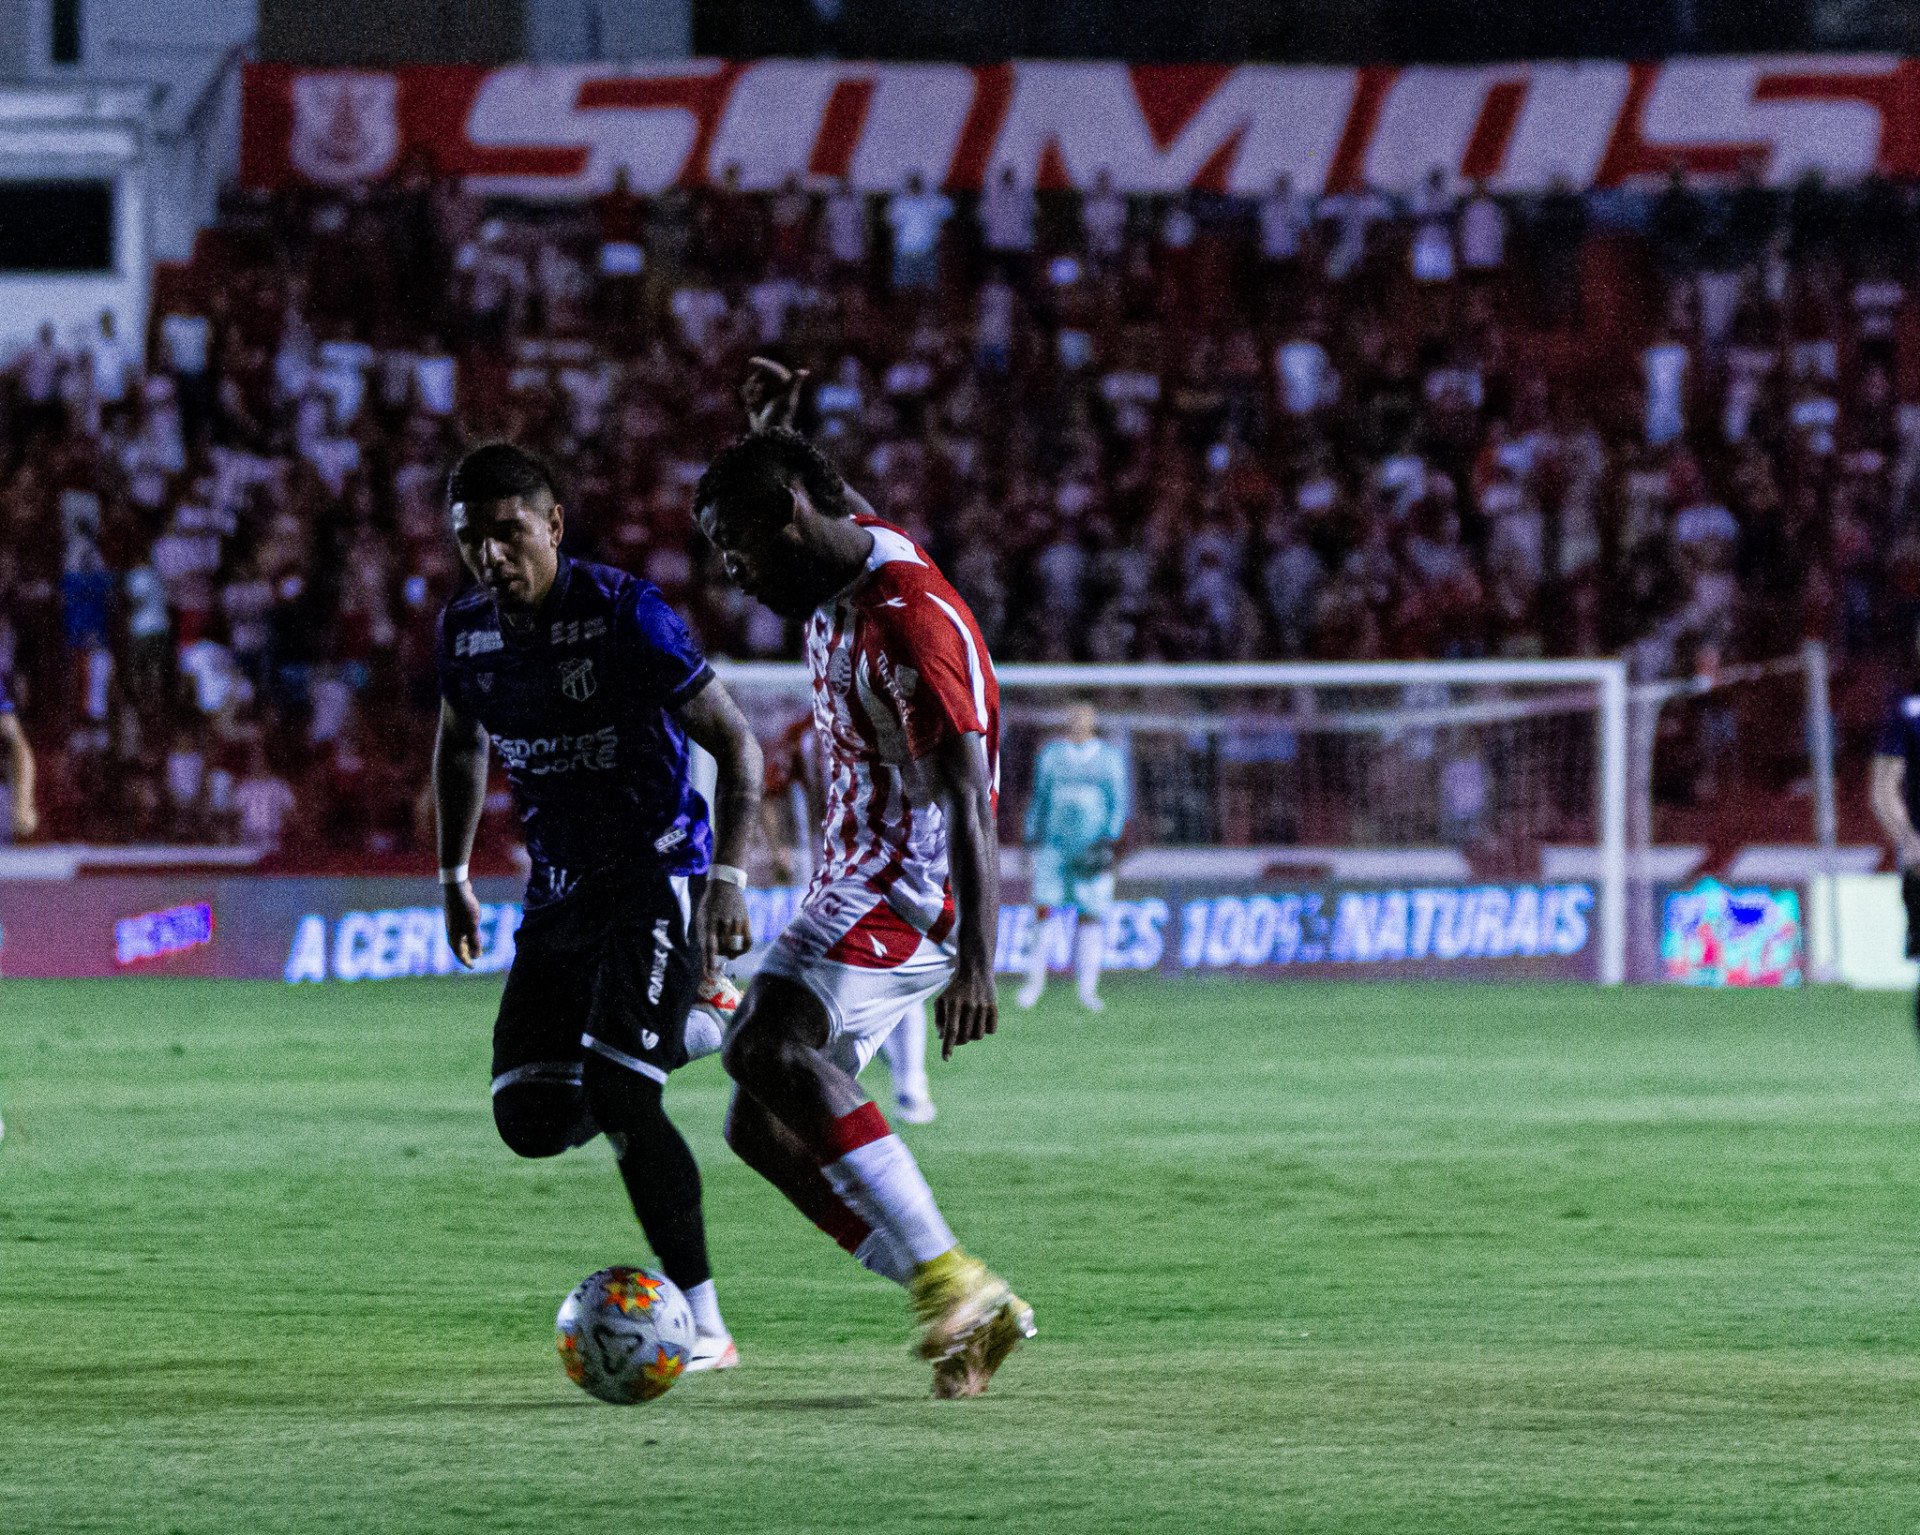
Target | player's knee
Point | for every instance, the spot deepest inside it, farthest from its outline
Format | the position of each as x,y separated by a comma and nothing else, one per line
540,1121
755,1054
741,1129
742,1051
621,1100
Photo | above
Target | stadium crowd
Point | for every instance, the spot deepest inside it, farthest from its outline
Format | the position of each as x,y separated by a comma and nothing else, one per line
1684,420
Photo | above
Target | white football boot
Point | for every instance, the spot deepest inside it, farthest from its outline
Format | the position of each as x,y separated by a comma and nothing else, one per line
712,1351
714,1004
915,1108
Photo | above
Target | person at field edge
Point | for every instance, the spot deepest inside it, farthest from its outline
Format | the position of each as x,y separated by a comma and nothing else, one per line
588,686
1895,794
905,902
24,819
1074,821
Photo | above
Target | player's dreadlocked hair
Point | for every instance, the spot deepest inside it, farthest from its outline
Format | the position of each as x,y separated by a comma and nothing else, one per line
497,471
756,473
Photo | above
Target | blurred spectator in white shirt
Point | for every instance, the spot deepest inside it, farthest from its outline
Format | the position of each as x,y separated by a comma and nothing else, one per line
1302,375
39,367
1103,220
111,364
1432,209
1006,215
1666,372
846,225
1285,218
1483,232
186,341
993,327
265,801
916,217
1352,215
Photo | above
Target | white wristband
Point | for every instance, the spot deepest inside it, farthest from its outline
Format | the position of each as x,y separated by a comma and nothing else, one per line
727,874
457,875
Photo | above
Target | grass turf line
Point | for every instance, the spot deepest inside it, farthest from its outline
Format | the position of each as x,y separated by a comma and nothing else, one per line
1307,1258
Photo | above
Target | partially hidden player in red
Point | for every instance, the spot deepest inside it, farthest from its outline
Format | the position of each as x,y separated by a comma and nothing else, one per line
905,899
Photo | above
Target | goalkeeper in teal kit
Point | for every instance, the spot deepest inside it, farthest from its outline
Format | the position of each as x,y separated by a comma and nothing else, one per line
1074,821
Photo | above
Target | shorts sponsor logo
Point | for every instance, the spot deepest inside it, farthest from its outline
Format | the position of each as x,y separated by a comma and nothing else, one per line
662,946
672,837
593,751
577,679
648,1039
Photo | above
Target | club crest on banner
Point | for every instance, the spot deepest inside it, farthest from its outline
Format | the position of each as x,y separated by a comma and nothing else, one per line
577,680
346,127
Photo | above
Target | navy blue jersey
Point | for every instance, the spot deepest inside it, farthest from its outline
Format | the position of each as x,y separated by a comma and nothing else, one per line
581,713
6,703
1900,737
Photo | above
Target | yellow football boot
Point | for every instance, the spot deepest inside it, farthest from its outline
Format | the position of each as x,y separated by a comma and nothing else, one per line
970,1320
967,1372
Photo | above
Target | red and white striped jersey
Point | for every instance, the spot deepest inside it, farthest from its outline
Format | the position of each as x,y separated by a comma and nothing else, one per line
899,669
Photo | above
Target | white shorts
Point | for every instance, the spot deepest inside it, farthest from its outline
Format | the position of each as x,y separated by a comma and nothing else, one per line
865,963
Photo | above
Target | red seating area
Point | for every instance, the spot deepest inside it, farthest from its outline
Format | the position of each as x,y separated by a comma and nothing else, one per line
1683,422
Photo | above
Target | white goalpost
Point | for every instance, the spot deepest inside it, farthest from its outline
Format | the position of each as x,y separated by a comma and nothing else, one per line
1470,766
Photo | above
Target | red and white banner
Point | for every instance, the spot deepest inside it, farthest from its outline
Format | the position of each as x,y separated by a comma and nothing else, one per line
562,131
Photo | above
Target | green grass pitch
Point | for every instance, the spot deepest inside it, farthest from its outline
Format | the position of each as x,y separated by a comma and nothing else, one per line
1368,1259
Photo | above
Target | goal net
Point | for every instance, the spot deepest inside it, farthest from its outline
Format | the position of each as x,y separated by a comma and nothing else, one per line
1405,810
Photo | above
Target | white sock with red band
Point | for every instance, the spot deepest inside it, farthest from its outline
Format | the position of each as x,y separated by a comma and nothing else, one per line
875,1174
880,1254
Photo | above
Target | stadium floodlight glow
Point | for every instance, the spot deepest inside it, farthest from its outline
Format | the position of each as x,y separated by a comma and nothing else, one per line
1407,759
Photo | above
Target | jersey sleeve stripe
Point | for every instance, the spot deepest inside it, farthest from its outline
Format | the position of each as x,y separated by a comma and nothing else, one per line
973,662
689,690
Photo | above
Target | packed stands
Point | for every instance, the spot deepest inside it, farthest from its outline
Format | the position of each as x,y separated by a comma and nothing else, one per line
1679,421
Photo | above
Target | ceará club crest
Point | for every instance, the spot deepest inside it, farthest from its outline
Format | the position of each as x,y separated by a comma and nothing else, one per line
577,680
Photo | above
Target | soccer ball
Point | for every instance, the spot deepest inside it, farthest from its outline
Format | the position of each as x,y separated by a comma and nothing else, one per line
625,1334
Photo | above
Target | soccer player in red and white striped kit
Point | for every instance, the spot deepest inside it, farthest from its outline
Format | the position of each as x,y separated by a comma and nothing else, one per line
904,903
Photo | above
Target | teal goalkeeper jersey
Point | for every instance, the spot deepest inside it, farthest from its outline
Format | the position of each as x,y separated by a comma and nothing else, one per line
1079,797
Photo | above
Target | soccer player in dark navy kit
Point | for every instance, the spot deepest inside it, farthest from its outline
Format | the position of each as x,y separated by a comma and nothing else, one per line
1896,805
589,686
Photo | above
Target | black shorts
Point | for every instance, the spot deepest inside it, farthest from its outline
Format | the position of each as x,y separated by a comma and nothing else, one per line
1910,893
608,970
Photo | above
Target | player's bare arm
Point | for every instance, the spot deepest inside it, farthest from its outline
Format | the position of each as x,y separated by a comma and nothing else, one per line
721,929
969,1008
1889,795
459,792
771,393
26,819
